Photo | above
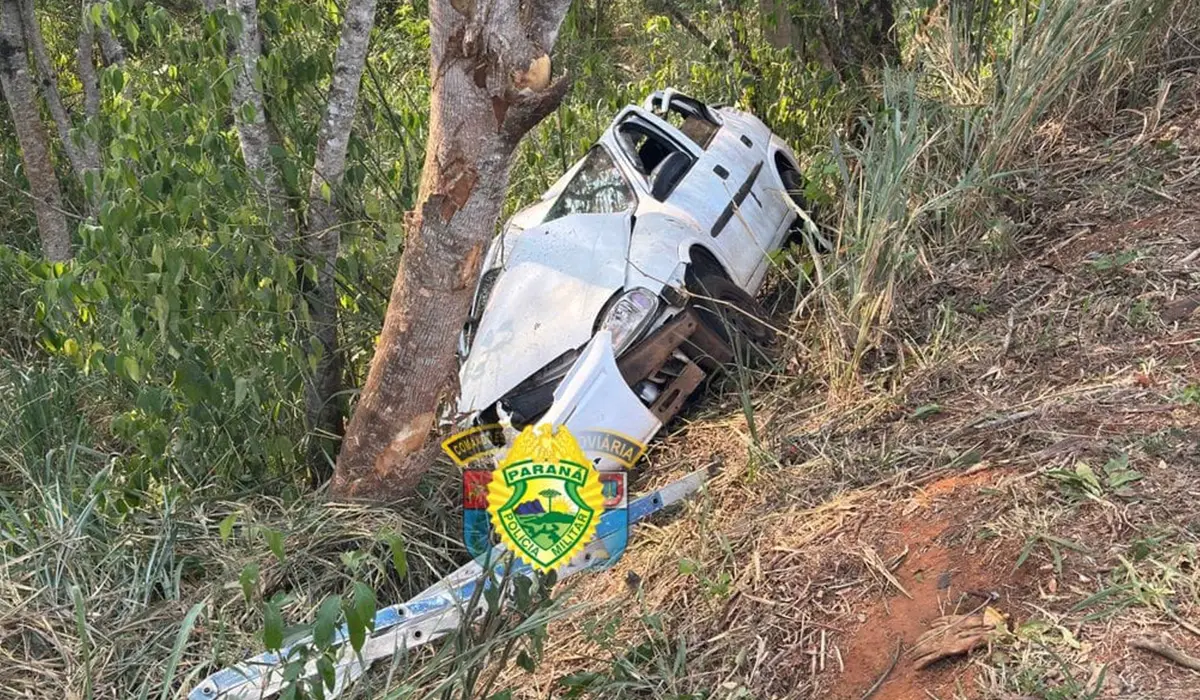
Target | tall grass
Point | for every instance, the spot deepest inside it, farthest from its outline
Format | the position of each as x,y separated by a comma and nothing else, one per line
103,565
925,173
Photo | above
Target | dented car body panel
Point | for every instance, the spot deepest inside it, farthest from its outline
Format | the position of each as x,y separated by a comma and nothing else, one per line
600,263
582,265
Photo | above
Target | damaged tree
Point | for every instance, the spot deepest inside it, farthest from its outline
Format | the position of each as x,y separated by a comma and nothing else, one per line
490,71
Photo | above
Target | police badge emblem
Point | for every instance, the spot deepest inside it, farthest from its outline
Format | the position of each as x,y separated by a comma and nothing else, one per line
545,498
544,495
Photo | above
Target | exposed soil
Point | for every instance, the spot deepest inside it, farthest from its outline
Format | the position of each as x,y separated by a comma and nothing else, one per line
945,571
989,477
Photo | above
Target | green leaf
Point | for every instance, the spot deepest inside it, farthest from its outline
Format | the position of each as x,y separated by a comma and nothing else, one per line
687,566
328,674
360,614
117,78
129,365
1087,476
249,580
185,630
353,560
272,627
187,204
241,387
354,626
1121,478
152,186
364,603
133,32
526,662
326,623
929,409
274,540
399,554
226,526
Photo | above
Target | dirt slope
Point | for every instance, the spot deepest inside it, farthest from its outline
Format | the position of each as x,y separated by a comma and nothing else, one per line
1037,461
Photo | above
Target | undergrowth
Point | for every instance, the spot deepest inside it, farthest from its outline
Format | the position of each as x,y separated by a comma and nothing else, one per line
154,513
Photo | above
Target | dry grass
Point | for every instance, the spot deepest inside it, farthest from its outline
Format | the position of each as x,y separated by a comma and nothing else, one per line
1002,369
909,431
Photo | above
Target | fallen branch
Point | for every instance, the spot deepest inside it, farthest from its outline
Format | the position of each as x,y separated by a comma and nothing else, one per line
886,672
1182,622
1167,652
871,557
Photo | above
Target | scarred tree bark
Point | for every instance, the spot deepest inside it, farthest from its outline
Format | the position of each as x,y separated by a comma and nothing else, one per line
250,117
21,95
491,84
322,239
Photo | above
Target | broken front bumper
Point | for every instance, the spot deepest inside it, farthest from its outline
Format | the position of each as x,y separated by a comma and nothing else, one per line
597,392
595,396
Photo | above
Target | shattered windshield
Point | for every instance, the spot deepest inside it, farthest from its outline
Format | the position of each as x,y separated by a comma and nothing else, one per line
597,188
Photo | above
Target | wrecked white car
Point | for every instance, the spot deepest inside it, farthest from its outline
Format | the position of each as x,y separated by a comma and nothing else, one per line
604,304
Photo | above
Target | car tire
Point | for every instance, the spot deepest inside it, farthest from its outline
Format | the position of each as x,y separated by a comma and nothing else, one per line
729,312
794,183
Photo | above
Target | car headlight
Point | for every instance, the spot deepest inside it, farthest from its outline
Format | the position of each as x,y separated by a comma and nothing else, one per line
629,316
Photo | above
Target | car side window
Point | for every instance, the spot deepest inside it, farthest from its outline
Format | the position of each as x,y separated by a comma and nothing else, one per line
647,147
693,119
597,188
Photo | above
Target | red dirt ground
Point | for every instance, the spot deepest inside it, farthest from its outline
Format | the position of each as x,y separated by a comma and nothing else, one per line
945,574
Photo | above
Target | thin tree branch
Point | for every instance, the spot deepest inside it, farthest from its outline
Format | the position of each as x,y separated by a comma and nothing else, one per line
46,77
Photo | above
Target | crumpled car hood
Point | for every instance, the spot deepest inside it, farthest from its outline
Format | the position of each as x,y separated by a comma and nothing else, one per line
556,280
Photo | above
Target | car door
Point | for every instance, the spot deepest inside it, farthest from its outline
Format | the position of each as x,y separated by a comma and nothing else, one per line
742,229
717,194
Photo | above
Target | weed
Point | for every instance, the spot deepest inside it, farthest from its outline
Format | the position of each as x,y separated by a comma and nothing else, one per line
1140,315
1114,262
1189,394
657,666
1053,544
1037,661
1083,482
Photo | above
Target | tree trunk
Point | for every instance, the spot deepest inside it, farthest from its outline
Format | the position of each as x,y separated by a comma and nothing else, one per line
49,82
777,22
91,88
21,95
110,48
250,117
491,85
323,409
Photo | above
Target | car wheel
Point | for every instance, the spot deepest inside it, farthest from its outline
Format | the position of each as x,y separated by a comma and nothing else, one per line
794,183
727,310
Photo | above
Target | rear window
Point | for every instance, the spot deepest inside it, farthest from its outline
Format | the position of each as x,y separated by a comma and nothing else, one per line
597,188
